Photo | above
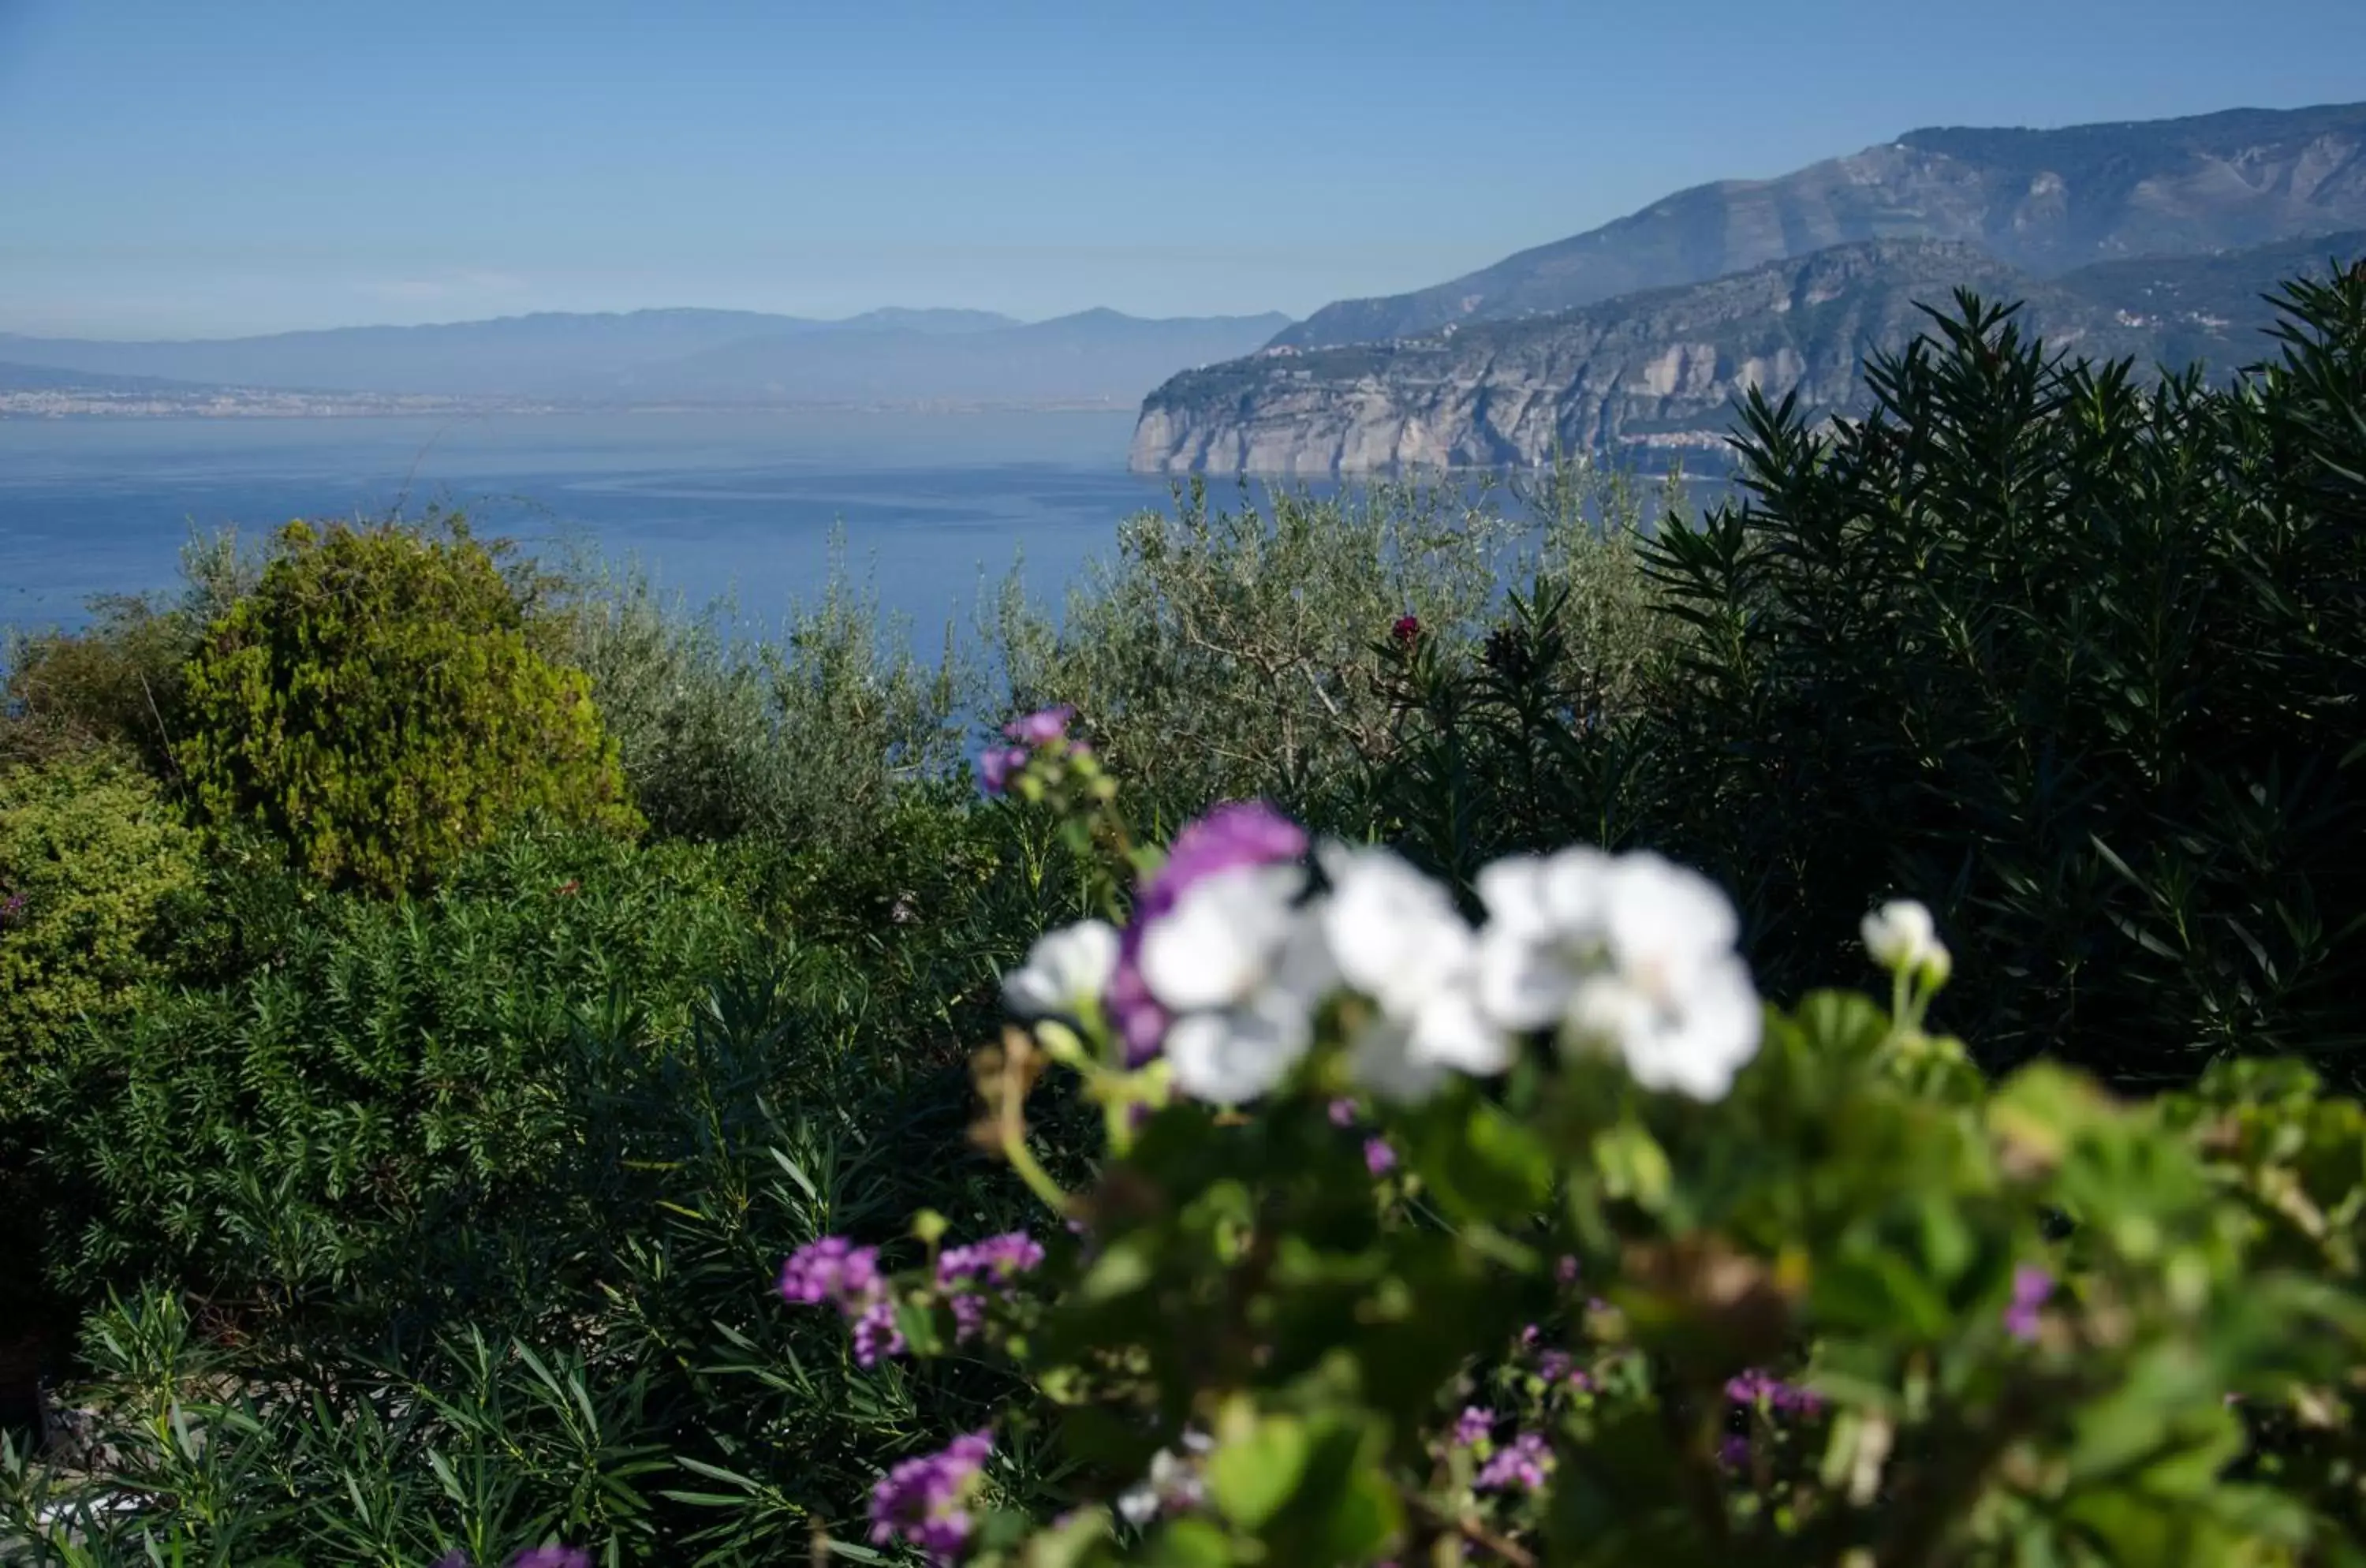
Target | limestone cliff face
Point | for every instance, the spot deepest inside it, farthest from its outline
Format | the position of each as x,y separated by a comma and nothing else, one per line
2046,201
1657,373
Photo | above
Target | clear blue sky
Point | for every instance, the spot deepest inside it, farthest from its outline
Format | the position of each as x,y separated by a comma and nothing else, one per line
180,168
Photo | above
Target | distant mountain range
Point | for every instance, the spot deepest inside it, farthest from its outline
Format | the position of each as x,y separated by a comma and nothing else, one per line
2152,239
1656,374
689,357
2046,201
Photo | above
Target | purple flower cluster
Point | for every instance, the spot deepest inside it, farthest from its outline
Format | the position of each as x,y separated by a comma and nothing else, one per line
1559,1367
834,1271
1026,735
1524,1463
964,1271
1379,1157
2031,1287
1237,833
1754,1387
926,1500
1474,1426
537,1557
12,909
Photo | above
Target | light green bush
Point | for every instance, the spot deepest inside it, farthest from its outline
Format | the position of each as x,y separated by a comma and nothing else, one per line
382,702
90,857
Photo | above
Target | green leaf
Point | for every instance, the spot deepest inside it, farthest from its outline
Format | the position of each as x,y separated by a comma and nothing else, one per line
1252,1477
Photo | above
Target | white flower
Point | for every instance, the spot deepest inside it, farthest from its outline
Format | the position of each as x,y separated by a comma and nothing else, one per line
1901,935
1169,1486
1396,935
1241,969
1544,933
1066,973
1219,941
1633,954
1690,1038
1234,1054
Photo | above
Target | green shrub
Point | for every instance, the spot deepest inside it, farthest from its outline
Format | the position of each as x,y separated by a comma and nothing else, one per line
1228,652
381,702
566,1112
801,739
92,859
122,679
2075,662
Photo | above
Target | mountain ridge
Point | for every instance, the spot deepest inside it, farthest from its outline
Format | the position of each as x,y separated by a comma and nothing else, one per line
2046,200
898,355
1656,373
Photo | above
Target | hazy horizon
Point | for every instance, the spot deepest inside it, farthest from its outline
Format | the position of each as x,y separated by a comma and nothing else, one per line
891,310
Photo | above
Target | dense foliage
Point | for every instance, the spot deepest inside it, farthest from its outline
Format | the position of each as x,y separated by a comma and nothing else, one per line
379,702
1686,1285
435,1206
2077,663
92,858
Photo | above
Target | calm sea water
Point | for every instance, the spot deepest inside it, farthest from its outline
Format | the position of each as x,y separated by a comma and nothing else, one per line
931,505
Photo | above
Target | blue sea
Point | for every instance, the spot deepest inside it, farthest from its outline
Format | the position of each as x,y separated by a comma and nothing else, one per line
933,506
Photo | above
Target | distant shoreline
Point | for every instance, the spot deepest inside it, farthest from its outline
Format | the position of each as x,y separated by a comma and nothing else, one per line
77,407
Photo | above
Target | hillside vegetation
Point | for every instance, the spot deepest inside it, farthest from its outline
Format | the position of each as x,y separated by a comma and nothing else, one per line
567,1081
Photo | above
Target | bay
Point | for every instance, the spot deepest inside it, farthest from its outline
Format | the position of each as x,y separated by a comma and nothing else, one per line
932,505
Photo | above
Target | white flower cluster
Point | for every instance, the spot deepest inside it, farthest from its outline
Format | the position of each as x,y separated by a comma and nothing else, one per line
1626,953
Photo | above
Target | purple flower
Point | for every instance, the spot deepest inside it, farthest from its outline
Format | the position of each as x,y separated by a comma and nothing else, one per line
2030,1288
832,1270
1754,1386
1470,1428
996,1261
1029,734
1379,1159
1042,727
1733,1449
1407,631
1237,833
1523,1462
12,909
1565,1270
553,1557
876,1334
926,1500
996,763
1342,1112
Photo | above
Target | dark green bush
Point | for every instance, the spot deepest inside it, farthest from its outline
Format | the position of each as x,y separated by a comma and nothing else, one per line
381,701
2077,662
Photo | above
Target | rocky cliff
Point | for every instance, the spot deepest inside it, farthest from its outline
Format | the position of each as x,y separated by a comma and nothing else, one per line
1656,374
2046,201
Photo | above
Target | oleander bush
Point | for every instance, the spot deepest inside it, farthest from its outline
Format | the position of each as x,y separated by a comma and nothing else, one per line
2076,661
383,700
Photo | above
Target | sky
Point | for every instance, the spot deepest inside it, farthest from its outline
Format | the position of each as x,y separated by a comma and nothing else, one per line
170,169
